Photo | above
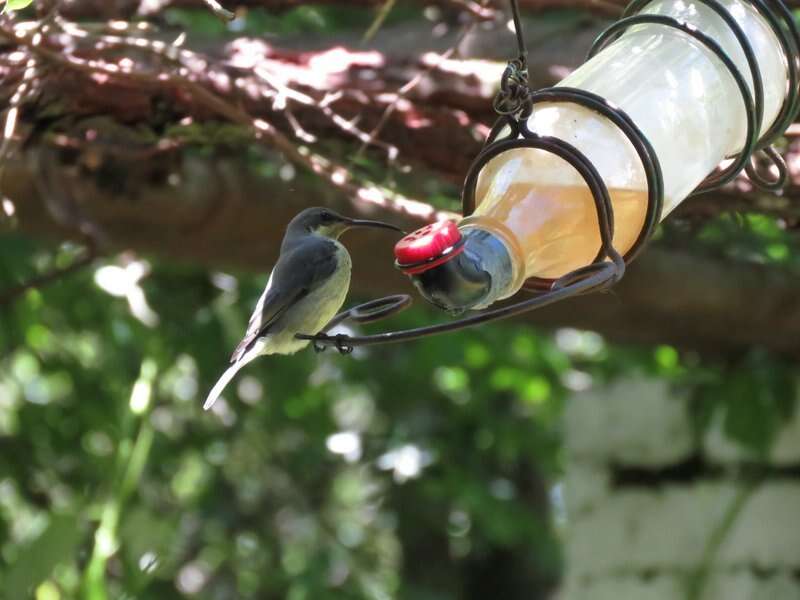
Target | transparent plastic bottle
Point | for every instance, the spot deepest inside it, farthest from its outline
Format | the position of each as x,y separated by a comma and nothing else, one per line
678,93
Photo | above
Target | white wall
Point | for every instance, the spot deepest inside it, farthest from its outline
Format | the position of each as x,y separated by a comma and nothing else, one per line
645,541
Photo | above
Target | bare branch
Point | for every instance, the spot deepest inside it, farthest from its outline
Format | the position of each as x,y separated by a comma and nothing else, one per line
9,295
414,82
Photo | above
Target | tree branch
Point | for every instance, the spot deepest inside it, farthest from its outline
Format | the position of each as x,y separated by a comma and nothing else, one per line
441,125
218,213
603,7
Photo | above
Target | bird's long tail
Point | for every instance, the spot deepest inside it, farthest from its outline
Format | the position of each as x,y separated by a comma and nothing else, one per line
223,381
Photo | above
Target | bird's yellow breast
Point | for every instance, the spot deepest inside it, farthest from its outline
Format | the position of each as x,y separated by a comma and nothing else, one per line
312,313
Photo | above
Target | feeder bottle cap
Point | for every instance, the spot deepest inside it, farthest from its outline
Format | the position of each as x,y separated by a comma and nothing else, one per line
428,247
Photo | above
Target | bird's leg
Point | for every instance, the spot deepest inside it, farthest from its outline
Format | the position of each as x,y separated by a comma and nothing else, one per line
321,341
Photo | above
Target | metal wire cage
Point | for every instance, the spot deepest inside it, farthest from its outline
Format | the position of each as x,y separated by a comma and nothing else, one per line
515,103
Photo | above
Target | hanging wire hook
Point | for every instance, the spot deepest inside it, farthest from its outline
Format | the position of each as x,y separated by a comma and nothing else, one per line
514,84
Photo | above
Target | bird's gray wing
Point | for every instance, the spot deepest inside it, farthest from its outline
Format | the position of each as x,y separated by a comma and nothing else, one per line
297,273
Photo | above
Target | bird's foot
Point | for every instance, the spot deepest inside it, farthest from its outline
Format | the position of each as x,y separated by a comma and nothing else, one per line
342,344
341,341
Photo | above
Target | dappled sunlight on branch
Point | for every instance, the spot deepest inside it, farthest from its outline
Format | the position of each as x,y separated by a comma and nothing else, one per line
187,76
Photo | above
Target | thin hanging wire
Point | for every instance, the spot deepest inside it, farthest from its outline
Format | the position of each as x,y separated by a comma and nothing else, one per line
523,49
514,84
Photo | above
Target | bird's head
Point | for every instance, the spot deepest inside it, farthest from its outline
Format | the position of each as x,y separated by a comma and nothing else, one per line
328,223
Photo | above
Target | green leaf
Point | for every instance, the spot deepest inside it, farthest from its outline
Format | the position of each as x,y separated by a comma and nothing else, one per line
36,561
748,419
754,398
16,5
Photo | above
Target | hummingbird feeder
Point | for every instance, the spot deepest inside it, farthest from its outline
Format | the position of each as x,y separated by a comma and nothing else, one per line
573,179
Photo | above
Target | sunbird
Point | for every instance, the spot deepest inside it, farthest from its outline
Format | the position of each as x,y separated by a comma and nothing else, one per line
306,288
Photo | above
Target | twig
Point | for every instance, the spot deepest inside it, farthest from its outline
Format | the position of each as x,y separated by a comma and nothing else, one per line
699,578
411,84
383,13
9,295
220,10
286,94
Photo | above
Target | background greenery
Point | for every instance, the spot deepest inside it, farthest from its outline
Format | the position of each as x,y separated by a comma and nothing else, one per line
428,470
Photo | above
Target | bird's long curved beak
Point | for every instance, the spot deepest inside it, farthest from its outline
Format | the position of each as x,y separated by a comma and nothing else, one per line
376,224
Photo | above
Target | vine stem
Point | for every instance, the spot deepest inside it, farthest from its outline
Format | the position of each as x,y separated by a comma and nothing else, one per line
698,580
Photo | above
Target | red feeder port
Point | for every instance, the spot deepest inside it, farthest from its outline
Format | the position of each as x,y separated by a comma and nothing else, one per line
428,247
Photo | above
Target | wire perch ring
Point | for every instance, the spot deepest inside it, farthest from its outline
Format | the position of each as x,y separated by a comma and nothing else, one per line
514,103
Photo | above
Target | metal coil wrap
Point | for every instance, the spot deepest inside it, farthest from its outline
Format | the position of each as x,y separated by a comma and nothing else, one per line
514,103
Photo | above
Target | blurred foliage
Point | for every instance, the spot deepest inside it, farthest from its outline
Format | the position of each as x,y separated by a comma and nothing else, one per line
319,476
752,398
747,237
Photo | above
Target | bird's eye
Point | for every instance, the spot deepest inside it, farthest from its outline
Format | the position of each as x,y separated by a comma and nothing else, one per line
326,216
